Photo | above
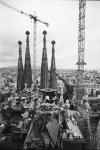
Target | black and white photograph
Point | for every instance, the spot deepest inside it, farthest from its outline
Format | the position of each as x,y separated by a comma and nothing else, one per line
49,74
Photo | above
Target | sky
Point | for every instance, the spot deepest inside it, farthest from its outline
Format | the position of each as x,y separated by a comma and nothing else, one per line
62,16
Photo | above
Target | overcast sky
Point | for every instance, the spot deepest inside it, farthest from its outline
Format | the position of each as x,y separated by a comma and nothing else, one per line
62,16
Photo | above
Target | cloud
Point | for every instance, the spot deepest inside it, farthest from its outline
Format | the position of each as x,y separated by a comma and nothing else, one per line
62,16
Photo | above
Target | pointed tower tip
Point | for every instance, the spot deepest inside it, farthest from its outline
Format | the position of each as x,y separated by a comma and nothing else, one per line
53,42
19,42
27,32
44,32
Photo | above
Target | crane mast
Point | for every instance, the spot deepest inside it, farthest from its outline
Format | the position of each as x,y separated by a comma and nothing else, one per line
35,33
81,48
81,35
34,55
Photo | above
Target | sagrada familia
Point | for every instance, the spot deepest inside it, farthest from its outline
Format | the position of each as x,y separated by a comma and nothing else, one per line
24,74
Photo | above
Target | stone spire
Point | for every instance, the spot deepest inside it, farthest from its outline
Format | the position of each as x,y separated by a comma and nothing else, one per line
27,66
44,64
20,73
53,79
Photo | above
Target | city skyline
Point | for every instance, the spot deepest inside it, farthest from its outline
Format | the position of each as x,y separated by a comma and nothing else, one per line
62,17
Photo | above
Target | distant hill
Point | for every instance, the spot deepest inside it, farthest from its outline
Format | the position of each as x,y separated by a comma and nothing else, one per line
14,69
10,68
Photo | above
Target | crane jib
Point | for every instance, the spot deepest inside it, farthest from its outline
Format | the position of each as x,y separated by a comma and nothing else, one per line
35,20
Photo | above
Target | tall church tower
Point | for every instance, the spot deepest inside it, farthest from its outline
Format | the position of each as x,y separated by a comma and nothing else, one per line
44,64
20,73
27,66
53,79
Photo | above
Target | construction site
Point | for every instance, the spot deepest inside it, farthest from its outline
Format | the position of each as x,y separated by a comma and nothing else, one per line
44,108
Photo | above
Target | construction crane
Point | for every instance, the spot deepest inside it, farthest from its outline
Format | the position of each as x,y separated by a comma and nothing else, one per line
81,36
34,17
81,48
